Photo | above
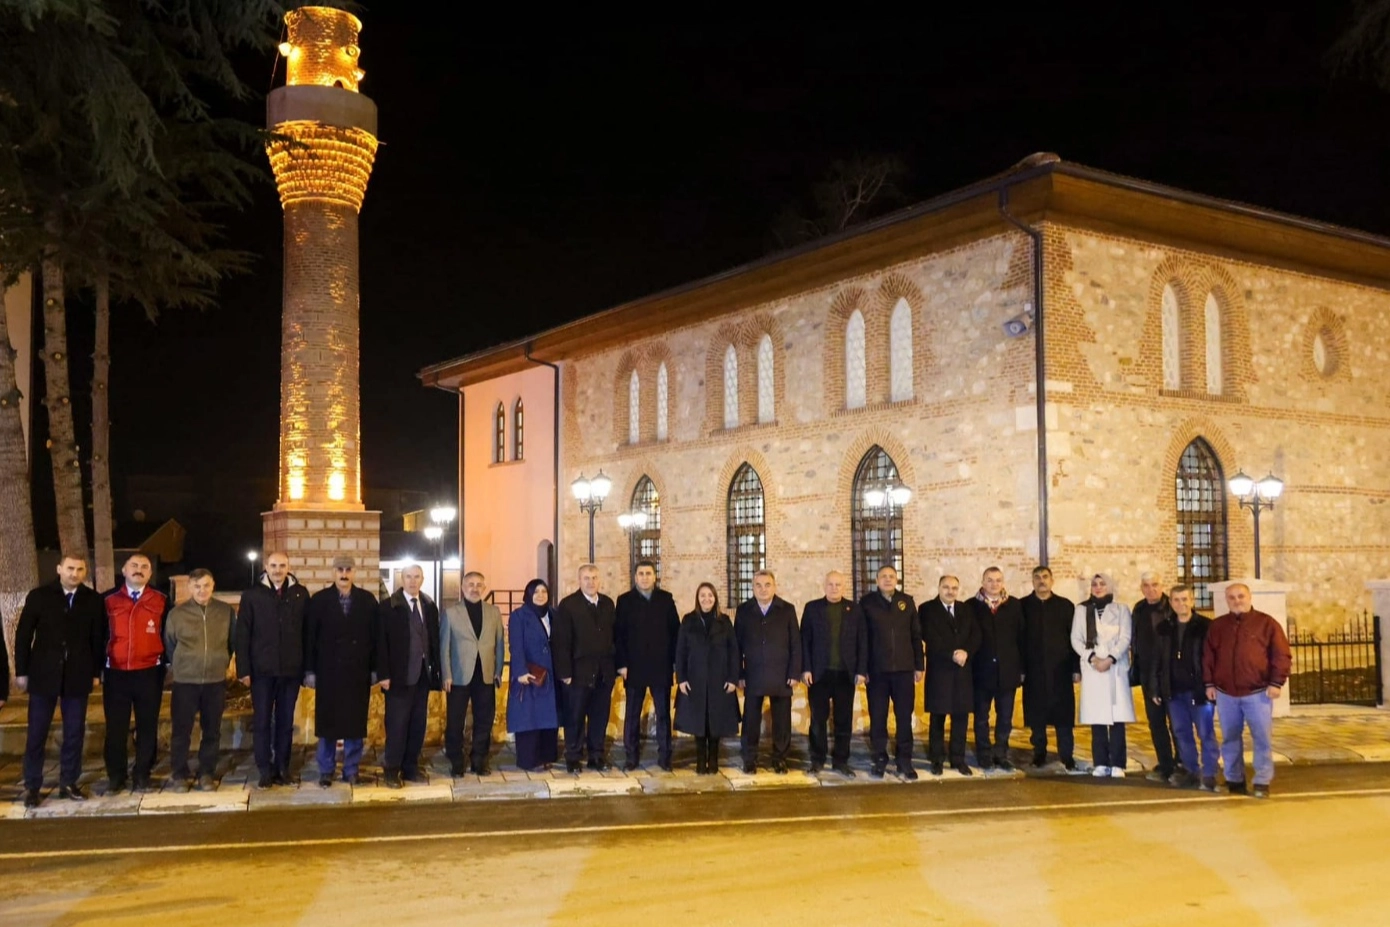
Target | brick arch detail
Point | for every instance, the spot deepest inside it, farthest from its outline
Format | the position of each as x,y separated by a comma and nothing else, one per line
651,358
622,376
725,335
842,306
1240,535
750,333
1335,340
893,288
854,452
1237,367
1177,272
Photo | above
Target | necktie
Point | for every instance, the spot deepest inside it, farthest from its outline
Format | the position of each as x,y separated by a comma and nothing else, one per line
415,609
135,596
70,595
951,610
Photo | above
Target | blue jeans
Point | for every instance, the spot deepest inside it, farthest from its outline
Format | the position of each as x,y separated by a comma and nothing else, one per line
1185,715
1235,712
328,756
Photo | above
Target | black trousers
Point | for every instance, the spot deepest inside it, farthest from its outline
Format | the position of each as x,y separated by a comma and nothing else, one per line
1162,736
1066,740
36,744
780,707
833,691
272,721
902,690
1003,702
1108,745
125,691
586,717
207,700
936,736
483,697
407,709
632,721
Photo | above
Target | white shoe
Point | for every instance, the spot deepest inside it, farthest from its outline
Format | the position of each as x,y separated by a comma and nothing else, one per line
1101,772
1117,772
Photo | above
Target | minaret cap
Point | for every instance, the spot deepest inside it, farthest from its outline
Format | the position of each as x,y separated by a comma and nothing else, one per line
321,49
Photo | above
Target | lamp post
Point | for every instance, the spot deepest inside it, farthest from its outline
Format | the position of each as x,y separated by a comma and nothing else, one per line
442,516
885,497
590,495
633,523
252,556
1257,497
435,533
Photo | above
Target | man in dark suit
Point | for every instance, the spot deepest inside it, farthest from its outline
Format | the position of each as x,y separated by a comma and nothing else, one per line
59,649
582,643
646,628
769,645
896,665
410,653
1051,668
952,639
834,660
998,668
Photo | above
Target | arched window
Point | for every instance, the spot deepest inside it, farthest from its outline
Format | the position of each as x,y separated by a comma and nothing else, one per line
499,437
767,411
900,351
876,537
646,543
855,373
1201,509
1214,372
634,409
1172,340
747,533
730,387
518,432
663,392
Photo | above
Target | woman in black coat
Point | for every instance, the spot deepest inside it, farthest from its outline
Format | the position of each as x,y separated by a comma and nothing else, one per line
707,667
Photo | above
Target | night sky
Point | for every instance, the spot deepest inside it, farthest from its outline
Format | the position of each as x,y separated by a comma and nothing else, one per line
531,173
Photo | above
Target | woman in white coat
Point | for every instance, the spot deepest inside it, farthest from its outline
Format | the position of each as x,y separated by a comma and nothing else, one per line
1100,633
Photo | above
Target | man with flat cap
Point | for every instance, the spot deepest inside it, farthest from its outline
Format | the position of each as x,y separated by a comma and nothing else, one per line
342,661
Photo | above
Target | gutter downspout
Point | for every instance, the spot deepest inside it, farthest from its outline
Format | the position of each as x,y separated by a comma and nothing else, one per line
552,580
1040,366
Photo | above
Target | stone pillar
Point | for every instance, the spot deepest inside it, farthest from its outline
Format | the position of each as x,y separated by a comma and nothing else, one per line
322,159
1271,598
1380,605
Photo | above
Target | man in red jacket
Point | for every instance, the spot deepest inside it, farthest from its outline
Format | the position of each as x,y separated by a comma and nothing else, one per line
1245,664
134,651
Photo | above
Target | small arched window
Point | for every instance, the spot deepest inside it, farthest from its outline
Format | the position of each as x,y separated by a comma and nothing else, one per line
663,391
518,431
1214,368
499,437
767,411
634,409
730,387
855,371
747,547
900,351
1172,340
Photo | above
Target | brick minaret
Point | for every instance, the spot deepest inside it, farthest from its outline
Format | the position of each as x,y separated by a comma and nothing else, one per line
321,167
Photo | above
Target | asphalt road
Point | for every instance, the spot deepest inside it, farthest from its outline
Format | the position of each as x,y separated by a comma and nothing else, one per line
1064,851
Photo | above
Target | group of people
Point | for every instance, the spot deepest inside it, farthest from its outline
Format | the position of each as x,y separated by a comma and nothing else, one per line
971,656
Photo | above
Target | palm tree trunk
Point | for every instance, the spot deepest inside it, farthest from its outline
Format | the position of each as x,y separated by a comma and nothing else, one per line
19,567
62,441
101,439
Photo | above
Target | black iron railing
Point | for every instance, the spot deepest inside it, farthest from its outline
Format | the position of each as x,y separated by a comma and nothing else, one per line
1341,667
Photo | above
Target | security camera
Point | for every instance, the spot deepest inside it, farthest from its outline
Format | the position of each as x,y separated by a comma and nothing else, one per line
1020,324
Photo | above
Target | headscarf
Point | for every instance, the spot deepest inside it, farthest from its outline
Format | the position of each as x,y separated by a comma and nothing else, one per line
529,597
1095,607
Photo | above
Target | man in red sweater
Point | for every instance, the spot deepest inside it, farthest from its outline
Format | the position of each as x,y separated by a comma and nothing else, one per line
1245,665
134,680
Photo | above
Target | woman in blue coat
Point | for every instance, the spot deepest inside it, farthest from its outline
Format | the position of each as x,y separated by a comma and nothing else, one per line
532,714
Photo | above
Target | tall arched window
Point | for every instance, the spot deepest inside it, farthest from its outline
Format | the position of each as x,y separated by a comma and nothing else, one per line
1172,340
767,411
646,543
730,387
663,395
518,431
876,537
1214,371
900,351
499,436
634,409
855,371
747,533
1201,510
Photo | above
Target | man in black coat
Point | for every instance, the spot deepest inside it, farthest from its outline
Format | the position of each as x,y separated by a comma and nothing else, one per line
59,649
952,637
270,659
409,646
646,628
998,667
342,660
1051,669
582,642
896,665
1149,613
834,660
769,646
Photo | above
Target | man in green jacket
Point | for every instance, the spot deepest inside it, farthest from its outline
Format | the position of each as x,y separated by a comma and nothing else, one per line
198,643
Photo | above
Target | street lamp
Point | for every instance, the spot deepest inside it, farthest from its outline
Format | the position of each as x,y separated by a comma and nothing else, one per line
253,556
1257,497
633,523
884,498
442,516
590,495
436,534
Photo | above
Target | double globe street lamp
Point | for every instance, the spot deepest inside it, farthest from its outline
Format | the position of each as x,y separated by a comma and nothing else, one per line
442,516
590,493
884,498
1257,497
634,523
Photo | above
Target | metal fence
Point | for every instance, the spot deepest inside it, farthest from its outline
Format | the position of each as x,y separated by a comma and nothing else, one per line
1341,667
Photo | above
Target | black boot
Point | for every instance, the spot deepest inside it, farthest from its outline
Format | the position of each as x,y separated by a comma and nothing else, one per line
712,760
701,755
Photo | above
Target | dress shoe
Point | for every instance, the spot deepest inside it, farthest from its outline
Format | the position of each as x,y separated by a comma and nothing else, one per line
180,785
456,770
1237,787
115,786
780,767
600,765
1157,775
907,773
938,768
573,766
629,766
1039,760
963,769
392,780
1069,764
280,778
750,768
1004,764
986,764
73,792
483,769
353,779
665,767
266,781
140,784
206,783
1208,784
1261,791
815,766
326,782
416,777
876,770
31,798
844,770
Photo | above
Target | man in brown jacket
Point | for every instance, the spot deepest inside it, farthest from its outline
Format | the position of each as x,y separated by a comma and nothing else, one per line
1245,664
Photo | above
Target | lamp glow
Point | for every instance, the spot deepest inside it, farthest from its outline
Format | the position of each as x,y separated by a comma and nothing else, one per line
600,486
434,532
443,514
873,498
581,489
1271,487
1241,485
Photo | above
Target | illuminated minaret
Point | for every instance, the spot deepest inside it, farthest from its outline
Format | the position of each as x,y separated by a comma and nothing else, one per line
321,162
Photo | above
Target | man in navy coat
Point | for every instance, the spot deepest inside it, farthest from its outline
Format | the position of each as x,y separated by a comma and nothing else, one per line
769,644
834,660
